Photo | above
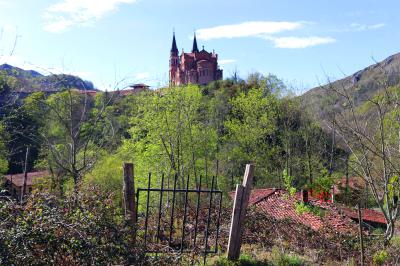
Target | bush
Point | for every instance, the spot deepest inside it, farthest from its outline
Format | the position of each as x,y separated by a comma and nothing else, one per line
380,257
395,242
82,230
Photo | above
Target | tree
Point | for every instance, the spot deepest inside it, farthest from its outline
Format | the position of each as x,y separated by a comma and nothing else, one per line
69,140
371,133
3,150
251,129
171,135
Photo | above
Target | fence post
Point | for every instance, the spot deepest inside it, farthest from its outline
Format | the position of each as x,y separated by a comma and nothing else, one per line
239,212
360,233
129,195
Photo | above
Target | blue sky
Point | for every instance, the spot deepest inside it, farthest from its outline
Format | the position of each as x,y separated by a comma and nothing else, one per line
117,42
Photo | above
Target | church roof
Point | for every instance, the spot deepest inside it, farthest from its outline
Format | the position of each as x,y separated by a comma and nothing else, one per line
195,48
174,48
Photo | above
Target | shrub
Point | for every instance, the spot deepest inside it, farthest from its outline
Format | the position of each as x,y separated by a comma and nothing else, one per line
288,180
395,242
302,208
85,230
380,257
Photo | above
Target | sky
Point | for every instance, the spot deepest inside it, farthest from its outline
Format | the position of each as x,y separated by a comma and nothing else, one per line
114,43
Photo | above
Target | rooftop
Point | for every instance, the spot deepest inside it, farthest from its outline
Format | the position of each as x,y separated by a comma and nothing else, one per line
32,177
280,205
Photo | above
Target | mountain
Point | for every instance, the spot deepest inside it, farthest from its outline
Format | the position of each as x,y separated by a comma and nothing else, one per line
362,85
29,81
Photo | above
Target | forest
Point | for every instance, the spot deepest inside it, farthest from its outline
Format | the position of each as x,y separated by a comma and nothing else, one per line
75,215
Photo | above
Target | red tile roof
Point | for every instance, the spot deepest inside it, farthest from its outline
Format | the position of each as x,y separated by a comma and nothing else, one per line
89,92
257,195
280,205
367,215
18,179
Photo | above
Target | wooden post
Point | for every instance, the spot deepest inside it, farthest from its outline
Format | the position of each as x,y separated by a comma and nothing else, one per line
23,188
129,194
361,235
239,212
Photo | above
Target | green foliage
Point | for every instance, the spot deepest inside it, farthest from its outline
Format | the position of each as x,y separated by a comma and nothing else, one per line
253,119
107,176
172,134
220,127
7,83
212,130
301,208
395,242
380,257
244,260
394,187
280,258
288,181
323,184
3,150
50,231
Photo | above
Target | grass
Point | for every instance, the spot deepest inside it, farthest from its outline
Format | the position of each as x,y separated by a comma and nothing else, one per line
244,260
260,258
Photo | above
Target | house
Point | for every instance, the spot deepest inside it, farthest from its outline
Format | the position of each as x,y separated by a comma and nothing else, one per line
134,89
279,204
14,183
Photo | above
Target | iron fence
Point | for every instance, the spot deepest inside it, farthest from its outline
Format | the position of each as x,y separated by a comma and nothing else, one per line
179,220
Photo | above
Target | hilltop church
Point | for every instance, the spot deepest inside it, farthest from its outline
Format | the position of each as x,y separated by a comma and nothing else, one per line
197,67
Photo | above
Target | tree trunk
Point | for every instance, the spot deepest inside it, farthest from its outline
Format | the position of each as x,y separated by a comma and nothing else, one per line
389,233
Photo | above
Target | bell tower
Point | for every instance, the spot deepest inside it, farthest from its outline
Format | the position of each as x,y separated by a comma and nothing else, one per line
173,62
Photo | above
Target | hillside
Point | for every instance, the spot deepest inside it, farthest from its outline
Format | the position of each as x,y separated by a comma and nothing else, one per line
361,85
28,81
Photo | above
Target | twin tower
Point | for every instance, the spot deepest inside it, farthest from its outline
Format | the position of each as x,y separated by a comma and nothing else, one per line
197,67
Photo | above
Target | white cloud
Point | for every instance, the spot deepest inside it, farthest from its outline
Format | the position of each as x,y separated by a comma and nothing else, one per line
357,27
364,27
299,42
226,61
247,29
265,30
68,13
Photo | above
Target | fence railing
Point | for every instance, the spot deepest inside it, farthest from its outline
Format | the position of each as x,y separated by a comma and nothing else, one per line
181,219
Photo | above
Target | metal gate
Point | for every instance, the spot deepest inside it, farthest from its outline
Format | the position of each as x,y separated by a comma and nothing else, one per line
179,220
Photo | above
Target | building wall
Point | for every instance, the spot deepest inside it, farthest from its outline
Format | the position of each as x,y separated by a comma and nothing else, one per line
194,68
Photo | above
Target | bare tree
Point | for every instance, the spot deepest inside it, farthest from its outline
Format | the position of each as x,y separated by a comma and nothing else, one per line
371,133
74,135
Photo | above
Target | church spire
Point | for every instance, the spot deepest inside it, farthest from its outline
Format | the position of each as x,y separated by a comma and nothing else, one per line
174,48
195,49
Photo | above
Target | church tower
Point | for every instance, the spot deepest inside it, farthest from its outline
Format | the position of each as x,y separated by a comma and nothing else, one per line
195,49
173,62
197,67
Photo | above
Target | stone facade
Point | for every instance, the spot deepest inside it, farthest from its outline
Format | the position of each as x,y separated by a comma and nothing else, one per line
197,67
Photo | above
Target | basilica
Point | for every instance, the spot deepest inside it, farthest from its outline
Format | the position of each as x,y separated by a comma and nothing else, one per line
197,67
